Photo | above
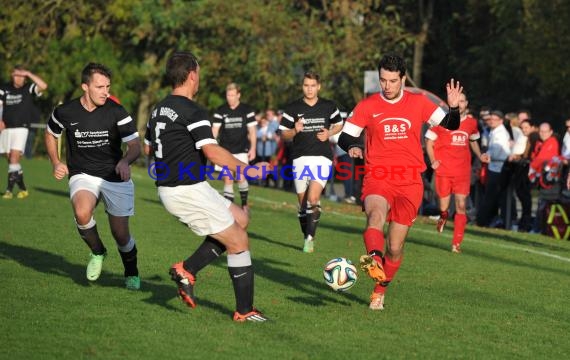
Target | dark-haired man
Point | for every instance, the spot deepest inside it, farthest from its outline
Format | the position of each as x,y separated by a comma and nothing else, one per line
449,152
95,128
392,187
309,122
234,125
18,111
180,135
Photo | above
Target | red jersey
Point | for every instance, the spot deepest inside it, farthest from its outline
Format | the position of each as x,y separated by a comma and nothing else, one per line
544,152
393,134
451,147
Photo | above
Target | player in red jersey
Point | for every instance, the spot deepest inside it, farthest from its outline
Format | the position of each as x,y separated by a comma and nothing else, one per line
392,186
450,157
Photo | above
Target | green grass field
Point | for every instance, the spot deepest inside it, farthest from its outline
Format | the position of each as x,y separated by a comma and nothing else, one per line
506,296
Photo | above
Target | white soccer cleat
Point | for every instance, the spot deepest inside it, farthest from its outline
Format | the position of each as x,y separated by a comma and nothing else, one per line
376,301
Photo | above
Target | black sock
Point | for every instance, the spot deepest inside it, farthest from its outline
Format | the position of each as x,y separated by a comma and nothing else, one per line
20,180
378,253
241,273
303,221
92,239
12,179
242,280
243,196
130,262
313,217
207,252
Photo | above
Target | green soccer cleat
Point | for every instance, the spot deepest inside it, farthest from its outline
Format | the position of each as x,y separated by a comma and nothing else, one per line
309,246
94,266
23,194
133,282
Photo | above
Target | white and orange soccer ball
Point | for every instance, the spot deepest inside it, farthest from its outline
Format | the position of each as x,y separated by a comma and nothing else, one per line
340,274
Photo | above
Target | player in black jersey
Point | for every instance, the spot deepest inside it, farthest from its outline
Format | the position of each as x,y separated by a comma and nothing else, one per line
95,127
234,125
310,121
18,111
181,138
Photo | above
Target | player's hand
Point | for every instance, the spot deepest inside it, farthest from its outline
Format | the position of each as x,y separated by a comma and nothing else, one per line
299,125
454,89
355,152
123,170
568,182
60,171
485,158
251,154
323,135
435,164
2,125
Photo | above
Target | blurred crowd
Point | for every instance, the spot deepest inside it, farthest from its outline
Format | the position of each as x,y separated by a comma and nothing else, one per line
526,172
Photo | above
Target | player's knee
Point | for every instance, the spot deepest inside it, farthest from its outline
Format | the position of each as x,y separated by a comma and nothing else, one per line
395,253
82,216
376,219
236,241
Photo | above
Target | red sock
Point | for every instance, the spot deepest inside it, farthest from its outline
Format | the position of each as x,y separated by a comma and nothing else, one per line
390,268
374,242
460,220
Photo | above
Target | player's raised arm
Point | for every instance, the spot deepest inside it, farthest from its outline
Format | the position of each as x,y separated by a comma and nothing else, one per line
452,119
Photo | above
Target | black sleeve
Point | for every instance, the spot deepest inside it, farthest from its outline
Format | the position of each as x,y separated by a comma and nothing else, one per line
346,141
451,120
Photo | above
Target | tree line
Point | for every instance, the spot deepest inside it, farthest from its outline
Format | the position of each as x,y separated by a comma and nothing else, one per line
509,54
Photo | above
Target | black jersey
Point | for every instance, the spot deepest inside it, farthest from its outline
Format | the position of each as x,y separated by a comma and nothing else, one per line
234,125
321,115
177,129
18,105
93,139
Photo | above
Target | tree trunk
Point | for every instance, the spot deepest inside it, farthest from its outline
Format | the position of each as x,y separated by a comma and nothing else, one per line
426,14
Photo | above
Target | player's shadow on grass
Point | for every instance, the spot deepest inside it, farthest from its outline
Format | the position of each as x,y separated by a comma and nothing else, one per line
352,230
315,293
488,256
508,236
52,191
44,262
48,263
256,236
152,201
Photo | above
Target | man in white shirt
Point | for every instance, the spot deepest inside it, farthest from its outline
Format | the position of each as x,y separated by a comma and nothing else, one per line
498,151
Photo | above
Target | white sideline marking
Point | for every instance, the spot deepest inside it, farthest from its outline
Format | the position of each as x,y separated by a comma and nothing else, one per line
467,236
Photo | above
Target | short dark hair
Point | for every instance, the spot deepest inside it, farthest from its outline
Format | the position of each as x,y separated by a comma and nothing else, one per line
313,75
94,68
178,66
393,62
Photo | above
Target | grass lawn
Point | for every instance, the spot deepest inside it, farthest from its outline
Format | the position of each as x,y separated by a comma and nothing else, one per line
506,296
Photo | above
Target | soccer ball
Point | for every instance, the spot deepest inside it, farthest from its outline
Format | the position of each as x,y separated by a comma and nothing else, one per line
340,274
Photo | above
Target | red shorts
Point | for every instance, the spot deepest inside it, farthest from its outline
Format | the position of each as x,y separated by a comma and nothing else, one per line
404,199
447,185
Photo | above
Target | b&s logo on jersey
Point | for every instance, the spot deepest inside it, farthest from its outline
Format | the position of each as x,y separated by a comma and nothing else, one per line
459,138
395,128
